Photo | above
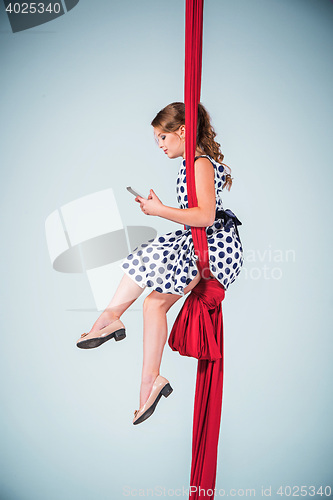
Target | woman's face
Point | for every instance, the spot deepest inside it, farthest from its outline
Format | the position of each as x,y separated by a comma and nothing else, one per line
172,143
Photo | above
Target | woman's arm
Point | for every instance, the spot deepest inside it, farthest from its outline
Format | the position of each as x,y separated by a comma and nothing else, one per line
204,214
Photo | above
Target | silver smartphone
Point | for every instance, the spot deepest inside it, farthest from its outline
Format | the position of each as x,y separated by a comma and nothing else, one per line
133,191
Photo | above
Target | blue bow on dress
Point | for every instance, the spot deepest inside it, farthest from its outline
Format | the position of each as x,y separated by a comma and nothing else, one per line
228,218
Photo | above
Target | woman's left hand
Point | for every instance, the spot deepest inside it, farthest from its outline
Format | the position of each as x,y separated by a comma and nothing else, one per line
151,206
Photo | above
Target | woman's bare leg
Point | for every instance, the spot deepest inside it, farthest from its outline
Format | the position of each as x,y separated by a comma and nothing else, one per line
127,292
155,332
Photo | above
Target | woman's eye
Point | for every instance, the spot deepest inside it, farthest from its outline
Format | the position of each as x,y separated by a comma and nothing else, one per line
162,137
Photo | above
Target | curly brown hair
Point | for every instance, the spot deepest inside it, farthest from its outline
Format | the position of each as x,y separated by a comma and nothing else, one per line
170,118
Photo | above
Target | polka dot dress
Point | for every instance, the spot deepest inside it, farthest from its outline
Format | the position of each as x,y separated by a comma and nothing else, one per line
167,263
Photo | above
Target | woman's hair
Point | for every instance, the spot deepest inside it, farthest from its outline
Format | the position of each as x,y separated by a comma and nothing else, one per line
170,118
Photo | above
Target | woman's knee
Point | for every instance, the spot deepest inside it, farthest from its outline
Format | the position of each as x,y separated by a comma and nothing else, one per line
166,300
160,300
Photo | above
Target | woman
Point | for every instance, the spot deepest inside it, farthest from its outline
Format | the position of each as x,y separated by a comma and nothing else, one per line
167,263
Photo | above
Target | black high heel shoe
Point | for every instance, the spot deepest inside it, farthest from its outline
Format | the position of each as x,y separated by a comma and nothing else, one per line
115,330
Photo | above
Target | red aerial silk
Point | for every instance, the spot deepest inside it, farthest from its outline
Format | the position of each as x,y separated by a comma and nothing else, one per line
198,328
198,332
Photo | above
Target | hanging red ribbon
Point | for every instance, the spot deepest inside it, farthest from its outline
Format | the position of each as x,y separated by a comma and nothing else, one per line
198,328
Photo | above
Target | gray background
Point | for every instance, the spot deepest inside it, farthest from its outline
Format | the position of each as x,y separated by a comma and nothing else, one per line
78,95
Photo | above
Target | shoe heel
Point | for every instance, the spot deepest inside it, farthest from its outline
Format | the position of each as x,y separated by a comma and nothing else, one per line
167,390
120,334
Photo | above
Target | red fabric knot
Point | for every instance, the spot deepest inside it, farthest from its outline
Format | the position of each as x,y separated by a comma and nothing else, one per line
210,291
198,326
